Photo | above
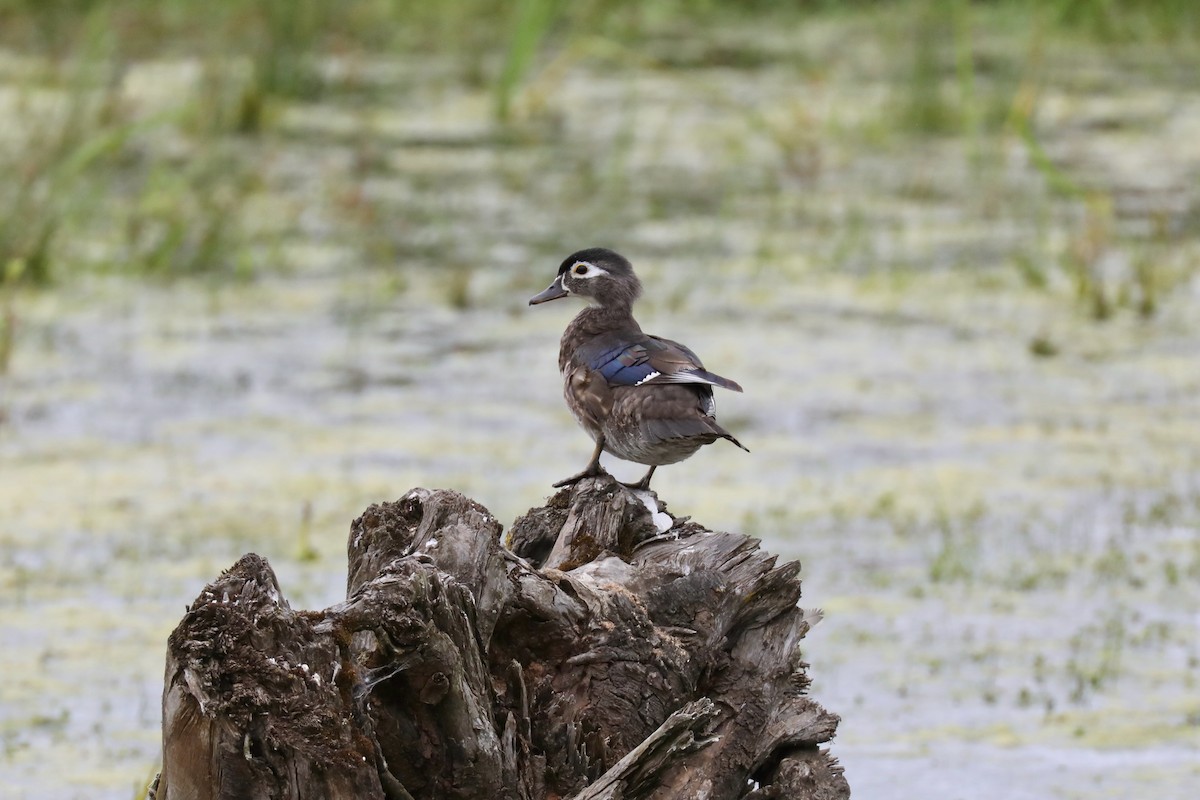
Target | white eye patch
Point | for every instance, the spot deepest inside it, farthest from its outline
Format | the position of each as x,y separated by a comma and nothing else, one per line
584,269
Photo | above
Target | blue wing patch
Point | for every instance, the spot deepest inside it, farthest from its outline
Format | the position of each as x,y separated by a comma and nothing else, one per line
622,364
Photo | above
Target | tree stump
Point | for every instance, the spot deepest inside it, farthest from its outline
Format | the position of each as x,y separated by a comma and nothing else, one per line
612,652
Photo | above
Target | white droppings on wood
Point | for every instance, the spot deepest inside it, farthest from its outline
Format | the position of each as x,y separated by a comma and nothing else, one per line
662,522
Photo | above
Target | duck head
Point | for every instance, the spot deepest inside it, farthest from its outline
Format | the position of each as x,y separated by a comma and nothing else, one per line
601,276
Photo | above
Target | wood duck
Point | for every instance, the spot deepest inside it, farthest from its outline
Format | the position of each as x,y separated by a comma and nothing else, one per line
640,397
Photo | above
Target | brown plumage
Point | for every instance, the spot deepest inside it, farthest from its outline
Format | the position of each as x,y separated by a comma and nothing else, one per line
640,397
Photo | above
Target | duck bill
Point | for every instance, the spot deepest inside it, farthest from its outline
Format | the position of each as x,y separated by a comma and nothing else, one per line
553,292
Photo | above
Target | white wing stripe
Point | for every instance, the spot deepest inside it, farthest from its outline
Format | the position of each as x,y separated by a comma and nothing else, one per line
687,376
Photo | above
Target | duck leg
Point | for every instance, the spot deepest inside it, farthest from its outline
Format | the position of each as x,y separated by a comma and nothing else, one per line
591,470
644,483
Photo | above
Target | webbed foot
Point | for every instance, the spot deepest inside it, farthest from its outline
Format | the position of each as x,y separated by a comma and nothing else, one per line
643,484
592,471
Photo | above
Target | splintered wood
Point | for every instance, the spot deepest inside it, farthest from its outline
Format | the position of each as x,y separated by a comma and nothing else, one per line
594,658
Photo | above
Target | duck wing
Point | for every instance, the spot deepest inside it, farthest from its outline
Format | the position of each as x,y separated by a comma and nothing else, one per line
638,359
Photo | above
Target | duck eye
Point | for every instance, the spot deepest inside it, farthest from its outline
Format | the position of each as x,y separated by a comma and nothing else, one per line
580,269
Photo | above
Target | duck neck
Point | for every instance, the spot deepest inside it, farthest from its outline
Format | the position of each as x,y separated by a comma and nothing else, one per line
601,319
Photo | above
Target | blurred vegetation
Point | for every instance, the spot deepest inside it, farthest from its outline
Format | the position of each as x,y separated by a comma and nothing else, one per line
101,183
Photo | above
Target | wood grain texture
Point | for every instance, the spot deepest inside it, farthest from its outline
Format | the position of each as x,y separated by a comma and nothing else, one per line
594,657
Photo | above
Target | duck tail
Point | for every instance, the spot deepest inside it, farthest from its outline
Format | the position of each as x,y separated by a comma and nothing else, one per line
727,435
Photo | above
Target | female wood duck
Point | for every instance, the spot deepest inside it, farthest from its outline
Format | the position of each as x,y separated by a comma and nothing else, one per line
640,397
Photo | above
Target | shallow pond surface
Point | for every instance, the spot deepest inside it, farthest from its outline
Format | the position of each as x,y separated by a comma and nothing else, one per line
1006,544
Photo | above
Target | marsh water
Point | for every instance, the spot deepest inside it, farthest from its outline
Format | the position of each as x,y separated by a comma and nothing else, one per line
972,417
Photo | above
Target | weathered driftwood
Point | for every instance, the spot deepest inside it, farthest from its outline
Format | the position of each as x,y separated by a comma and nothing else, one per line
599,658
